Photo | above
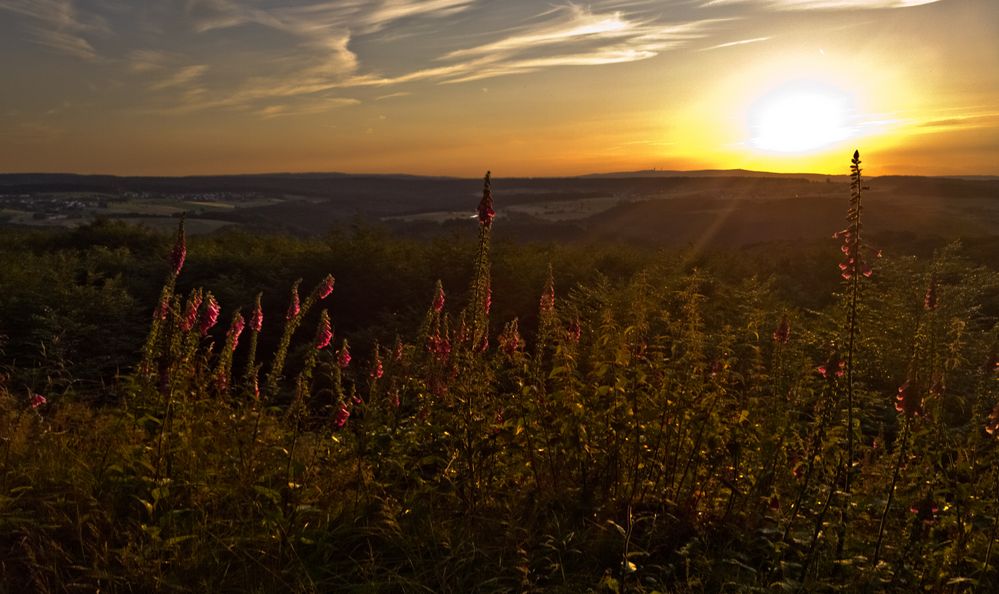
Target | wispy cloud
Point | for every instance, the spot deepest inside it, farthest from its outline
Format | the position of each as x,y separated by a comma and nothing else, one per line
181,78
57,24
735,43
824,4
568,36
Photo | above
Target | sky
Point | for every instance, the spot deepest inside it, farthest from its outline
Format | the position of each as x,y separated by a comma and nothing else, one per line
524,88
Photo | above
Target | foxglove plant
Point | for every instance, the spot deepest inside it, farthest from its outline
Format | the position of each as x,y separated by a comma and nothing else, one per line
297,309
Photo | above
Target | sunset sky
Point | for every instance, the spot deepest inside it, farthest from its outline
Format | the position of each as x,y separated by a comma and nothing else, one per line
455,87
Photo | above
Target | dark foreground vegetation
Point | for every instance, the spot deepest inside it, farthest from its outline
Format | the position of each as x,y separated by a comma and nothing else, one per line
802,417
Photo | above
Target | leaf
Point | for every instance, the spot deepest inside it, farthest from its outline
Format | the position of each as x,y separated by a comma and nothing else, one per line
271,494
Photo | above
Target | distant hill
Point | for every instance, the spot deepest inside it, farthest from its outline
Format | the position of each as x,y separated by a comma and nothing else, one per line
710,173
734,207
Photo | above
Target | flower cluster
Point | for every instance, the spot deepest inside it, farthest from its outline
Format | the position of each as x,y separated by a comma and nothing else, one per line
191,313
852,247
341,415
295,306
930,301
179,252
439,298
257,319
783,332
38,400
439,345
327,287
344,358
486,212
324,333
210,315
575,331
235,329
908,401
833,367
509,340
377,370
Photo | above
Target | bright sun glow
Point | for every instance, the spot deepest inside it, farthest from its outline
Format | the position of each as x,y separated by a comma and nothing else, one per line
800,118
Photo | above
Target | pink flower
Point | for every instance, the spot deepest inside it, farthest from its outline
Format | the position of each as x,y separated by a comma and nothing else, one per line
38,400
235,329
439,298
783,332
930,300
486,212
210,315
324,334
509,339
834,367
547,302
488,303
575,331
257,319
907,402
341,415
378,370
163,309
327,287
295,306
179,252
191,315
397,354
344,359
925,510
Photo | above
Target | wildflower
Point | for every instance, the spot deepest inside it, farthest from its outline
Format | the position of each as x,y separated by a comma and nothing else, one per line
547,302
210,315
395,399
257,319
439,298
783,332
378,371
398,351
925,511
191,314
486,212
163,309
907,401
295,305
833,367
509,339
992,424
344,358
324,334
341,415
488,299
930,300
256,387
38,400
179,252
327,287
575,331
235,329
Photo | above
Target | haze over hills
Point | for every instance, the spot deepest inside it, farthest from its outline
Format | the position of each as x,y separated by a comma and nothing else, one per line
731,207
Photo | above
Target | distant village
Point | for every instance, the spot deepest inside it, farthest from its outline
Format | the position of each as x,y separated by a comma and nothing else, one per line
54,206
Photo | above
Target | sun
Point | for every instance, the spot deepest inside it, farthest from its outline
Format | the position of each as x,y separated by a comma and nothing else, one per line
800,117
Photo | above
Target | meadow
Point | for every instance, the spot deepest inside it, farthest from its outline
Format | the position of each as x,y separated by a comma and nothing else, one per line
362,413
